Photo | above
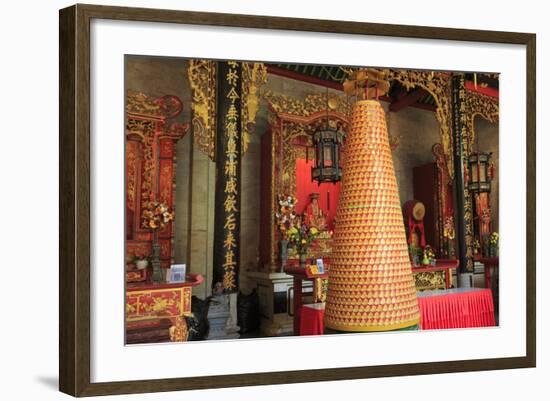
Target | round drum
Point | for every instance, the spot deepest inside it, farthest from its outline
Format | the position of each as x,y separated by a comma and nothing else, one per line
414,209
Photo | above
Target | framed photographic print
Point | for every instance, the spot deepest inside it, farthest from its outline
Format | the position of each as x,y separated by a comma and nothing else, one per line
247,149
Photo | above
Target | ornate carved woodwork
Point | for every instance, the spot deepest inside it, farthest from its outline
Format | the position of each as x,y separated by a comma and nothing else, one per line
429,280
477,104
254,76
147,303
151,303
291,124
439,85
202,78
151,136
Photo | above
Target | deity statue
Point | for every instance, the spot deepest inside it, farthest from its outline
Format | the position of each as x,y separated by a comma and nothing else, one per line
314,216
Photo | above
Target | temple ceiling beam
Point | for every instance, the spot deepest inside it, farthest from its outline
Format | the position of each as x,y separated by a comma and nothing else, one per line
407,100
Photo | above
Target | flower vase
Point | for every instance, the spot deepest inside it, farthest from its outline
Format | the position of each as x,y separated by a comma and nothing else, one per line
303,260
283,253
141,264
155,262
493,251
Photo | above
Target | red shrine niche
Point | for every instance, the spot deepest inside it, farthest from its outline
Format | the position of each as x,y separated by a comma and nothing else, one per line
287,158
151,137
327,194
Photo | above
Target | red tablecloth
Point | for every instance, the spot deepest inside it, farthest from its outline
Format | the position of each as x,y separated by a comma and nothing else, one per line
311,319
456,309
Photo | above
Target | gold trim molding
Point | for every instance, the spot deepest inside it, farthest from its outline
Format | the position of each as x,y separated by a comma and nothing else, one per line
254,76
313,103
202,78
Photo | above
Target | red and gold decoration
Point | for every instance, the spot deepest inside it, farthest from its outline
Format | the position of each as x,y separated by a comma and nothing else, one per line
156,215
146,302
370,285
151,136
202,78
287,159
152,303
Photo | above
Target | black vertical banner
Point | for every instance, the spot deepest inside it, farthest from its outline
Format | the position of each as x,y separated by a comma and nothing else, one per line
460,162
228,176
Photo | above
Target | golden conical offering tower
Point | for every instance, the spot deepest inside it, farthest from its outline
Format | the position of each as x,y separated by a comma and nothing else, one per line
370,284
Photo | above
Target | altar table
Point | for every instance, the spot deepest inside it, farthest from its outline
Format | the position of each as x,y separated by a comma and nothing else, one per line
312,318
146,301
300,274
456,308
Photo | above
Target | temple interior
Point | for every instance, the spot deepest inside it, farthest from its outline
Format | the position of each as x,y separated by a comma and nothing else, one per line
260,201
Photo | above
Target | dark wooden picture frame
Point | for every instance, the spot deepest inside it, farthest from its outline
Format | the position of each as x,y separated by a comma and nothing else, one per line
74,203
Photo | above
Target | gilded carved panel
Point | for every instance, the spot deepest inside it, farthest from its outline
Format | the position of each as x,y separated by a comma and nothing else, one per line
202,78
439,85
429,280
478,104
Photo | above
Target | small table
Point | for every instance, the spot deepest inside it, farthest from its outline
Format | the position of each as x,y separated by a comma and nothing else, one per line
299,275
312,318
146,301
441,265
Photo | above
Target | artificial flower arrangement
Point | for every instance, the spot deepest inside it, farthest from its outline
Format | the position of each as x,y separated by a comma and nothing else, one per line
156,215
286,215
429,256
493,244
493,240
301,236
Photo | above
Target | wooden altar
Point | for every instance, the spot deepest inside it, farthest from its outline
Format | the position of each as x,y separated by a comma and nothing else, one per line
300,275
151,137
146,301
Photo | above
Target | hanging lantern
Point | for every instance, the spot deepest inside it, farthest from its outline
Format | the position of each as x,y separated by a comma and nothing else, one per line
327,143
479,172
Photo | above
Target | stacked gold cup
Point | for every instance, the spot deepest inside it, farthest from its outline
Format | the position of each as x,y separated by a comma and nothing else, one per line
370,285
